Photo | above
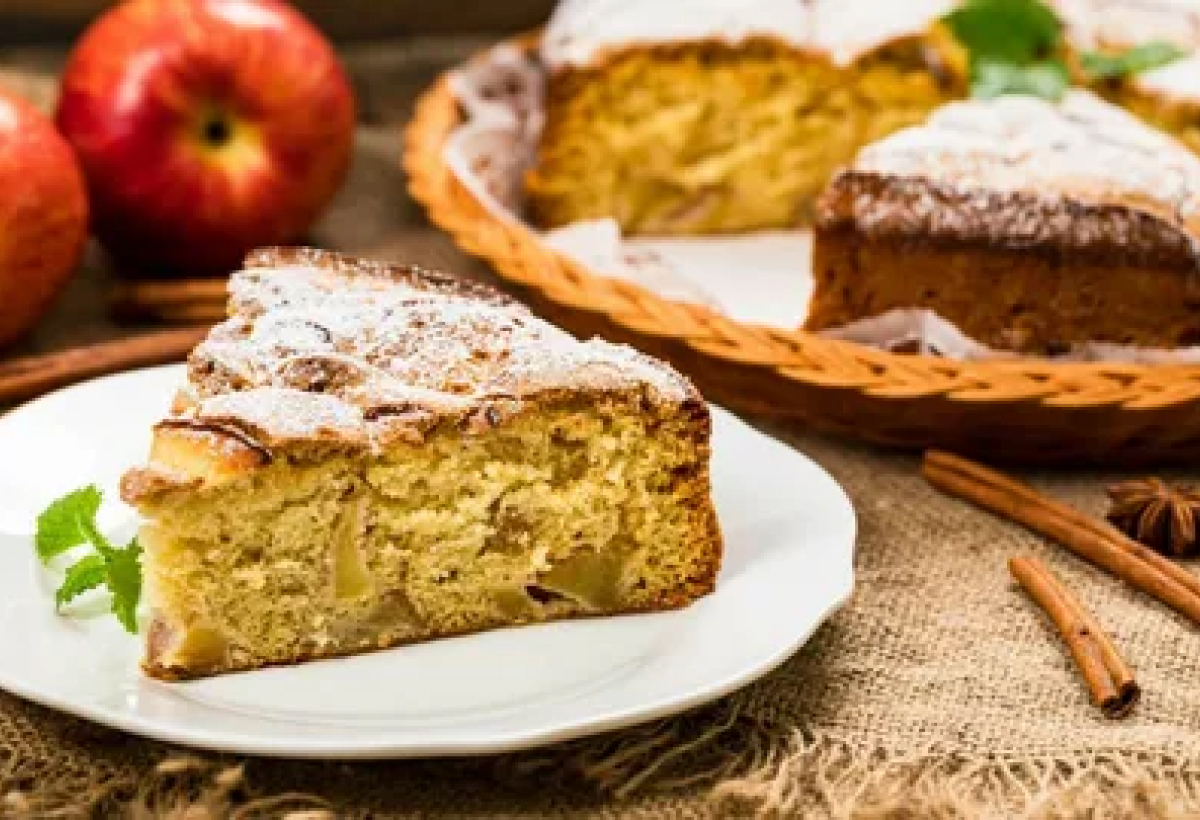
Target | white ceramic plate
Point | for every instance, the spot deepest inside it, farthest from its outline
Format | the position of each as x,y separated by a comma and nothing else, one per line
789,533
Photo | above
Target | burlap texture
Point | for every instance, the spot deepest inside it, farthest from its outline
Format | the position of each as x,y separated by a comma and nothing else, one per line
939,691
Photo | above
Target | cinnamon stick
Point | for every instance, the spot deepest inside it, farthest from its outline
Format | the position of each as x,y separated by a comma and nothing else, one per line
1108,677
175,300
171,292
30,376
198,313
1094,540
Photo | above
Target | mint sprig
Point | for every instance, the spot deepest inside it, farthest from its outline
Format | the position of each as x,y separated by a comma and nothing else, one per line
70,522
60,526
85,574
1014,48
1048,79
1016,32
123,576
1100,65
1017,47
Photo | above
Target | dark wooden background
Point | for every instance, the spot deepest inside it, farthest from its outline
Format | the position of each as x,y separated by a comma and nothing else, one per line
43,20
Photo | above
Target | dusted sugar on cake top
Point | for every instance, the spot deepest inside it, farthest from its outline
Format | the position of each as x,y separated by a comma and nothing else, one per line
585,33
367,455
718,116
1099,25
1031,226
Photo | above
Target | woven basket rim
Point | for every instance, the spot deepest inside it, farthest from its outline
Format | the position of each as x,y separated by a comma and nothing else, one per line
518,255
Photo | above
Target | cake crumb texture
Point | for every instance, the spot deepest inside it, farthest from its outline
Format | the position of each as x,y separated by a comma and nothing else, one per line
579,510
708,137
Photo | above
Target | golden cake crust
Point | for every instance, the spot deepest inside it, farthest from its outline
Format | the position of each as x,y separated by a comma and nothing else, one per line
717,117
325,354
703,117
709,136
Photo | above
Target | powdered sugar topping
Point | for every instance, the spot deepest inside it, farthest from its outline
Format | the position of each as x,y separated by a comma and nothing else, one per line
1119,24
581,32
325,349
1044,159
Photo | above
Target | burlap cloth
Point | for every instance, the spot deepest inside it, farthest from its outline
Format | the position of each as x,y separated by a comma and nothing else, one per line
939,691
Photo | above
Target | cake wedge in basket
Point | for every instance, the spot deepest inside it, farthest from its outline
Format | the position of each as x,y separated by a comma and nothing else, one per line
1031,226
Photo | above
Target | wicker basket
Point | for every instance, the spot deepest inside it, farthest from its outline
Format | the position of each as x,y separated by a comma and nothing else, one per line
1026,410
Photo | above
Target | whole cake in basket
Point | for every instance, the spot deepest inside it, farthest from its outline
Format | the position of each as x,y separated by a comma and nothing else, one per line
367,455
718,116
1031,226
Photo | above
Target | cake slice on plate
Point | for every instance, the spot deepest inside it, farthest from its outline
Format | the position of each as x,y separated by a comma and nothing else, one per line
1029,225
367,455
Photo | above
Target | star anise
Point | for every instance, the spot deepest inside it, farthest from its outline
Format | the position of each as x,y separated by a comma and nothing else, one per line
1161,517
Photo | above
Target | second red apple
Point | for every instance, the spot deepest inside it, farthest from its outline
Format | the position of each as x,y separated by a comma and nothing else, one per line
205,128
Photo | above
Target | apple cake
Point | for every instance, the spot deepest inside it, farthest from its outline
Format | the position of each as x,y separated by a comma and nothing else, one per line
717,117
720,116
1031,226
367,455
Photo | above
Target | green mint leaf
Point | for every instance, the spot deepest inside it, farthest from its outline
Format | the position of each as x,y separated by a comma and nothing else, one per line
71,521
1014,48
87,573
1101,65
1048,79
63,524
95,537
1006,31
123,575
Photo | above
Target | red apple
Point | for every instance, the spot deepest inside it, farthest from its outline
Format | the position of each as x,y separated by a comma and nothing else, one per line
43,215
205,128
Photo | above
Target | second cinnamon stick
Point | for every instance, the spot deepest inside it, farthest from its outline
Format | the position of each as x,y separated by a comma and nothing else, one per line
27,377
1108,677
181,301
1096,541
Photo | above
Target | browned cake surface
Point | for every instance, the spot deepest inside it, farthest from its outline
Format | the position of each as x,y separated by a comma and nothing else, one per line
367,455
1028,225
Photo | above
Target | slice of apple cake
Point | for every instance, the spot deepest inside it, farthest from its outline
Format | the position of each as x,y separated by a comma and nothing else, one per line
368,455
1032,226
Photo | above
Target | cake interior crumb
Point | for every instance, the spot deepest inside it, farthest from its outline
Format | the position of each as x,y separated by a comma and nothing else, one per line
585,508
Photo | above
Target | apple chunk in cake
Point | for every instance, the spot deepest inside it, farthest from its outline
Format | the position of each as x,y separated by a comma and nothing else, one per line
369,455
